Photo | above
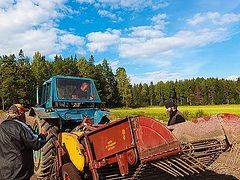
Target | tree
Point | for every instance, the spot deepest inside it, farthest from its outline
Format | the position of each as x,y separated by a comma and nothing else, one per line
124,86
86,68
24,81
145,95
8,79
40,69
64,66
152,94
108,84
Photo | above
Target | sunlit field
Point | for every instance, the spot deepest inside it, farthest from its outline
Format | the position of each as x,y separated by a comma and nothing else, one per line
190,112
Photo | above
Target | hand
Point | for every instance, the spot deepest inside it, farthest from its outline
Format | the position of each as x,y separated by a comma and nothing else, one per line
44,132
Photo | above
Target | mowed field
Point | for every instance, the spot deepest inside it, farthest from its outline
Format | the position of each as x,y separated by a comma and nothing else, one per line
159,112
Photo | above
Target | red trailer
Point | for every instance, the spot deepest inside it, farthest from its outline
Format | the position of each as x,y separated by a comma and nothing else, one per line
131,148
138,148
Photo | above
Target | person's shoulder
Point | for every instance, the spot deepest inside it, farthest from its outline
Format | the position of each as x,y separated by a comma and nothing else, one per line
9,125
180,117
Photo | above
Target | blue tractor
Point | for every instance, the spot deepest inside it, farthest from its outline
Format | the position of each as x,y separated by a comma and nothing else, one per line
63,104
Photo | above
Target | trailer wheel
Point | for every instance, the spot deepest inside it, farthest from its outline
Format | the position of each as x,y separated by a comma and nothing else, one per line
70,172
44,158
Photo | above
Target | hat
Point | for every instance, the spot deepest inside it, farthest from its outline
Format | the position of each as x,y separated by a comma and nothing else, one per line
17,109
169,104
13,109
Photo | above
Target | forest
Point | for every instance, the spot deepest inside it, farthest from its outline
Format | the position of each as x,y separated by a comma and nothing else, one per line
20,76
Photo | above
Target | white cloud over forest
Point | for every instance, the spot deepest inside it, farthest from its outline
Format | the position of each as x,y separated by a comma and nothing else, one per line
32,26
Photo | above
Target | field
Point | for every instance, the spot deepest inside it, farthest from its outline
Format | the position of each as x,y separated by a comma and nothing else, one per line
190,112
223,168
159,112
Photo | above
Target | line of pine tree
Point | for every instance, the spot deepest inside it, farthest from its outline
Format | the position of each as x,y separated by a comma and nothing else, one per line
19,77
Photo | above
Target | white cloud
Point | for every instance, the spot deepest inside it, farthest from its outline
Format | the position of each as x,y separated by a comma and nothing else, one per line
156,76
159,21
6,3
99,41
145,31
86,1
215,18
32,26
114,64
153,47
149,42
108,14
127,4
72,39
233,77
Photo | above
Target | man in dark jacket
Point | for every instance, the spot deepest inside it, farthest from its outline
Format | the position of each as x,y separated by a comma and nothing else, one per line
175,115
17,142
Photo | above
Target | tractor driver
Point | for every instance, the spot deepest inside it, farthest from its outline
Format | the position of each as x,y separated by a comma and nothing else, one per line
175,115
83,92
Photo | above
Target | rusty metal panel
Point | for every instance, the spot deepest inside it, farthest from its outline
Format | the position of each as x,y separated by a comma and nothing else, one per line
153,139
111,140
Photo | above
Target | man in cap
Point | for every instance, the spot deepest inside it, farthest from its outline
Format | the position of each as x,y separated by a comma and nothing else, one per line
17,142
175,115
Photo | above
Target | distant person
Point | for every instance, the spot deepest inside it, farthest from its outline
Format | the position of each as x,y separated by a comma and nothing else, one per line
17,142
83,92
175,115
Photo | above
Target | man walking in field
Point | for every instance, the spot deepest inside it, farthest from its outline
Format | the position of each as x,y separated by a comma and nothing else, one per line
17,142
175,115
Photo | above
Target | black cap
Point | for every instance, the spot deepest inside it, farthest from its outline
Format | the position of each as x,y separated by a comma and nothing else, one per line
169,104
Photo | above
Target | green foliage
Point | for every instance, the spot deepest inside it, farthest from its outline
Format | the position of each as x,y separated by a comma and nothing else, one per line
40,69
107,83
64,66
124,87
19,77
199,113
8,79
189,112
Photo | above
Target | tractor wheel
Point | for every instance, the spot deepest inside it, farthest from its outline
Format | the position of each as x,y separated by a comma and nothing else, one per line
70,172
45,157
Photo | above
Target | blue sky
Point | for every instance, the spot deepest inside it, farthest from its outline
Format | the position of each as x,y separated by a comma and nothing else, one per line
154,40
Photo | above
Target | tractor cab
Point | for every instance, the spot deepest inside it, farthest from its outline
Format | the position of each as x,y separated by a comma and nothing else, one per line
67,91
69,99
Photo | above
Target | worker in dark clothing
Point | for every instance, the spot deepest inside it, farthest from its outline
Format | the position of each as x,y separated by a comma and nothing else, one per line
175,115
17,142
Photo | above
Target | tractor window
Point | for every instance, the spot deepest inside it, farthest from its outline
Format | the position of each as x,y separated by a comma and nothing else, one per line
43,97
76,89
48,91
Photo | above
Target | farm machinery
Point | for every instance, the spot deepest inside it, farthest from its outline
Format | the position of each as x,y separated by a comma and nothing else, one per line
83,144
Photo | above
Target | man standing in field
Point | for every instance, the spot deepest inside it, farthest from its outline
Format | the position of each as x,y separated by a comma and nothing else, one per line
175,115
17,142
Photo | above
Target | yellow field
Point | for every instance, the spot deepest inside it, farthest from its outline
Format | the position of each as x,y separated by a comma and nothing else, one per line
190,112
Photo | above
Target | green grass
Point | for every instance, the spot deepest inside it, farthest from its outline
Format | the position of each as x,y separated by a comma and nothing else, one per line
190,112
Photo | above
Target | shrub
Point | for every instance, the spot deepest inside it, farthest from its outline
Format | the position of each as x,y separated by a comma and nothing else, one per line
199,113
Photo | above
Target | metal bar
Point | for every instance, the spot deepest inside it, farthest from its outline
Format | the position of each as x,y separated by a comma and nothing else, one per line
183,165
205,147
200,154
163,168
138,170
172,169
179,159
186,173
187,158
